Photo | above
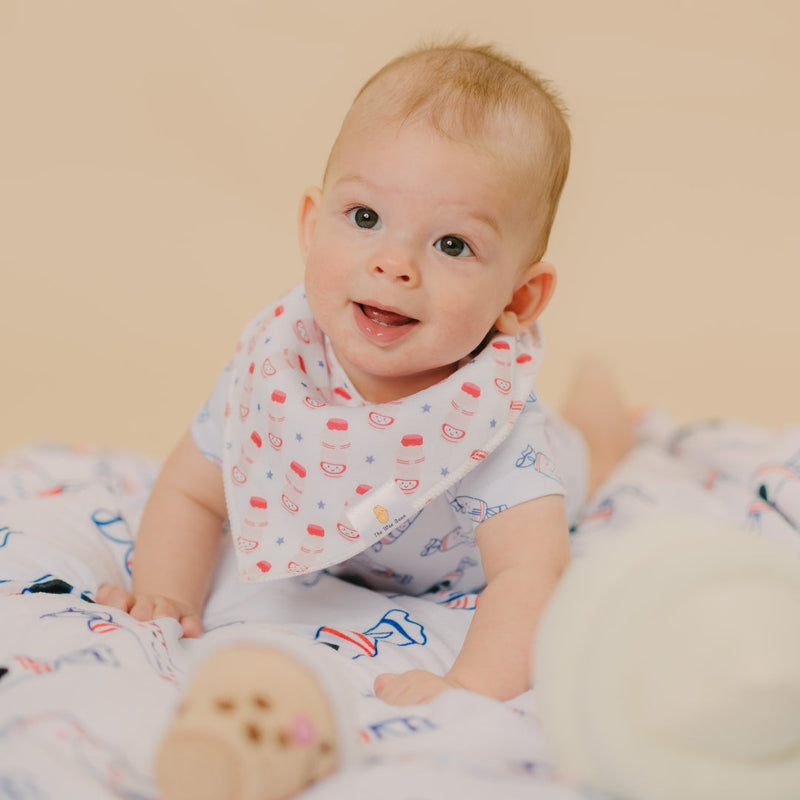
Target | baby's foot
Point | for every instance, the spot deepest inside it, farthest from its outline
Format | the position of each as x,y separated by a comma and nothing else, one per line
255,725
594,405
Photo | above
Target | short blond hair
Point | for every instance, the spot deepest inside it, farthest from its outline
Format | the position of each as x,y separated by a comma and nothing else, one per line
461,88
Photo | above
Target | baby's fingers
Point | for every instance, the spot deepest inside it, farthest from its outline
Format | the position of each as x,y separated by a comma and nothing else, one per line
149,607
409,688
115,596
192,625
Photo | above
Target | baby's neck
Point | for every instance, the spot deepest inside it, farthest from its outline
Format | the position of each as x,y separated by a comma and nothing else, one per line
388,389
378,389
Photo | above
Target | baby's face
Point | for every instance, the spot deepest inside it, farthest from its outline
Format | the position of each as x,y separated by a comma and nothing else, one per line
413,249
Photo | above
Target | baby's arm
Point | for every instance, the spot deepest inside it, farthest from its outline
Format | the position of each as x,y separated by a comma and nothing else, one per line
177,544
524,551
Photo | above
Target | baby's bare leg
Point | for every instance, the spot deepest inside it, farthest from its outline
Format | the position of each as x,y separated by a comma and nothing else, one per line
594,405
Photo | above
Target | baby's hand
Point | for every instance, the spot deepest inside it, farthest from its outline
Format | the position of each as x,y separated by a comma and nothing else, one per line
151,606
411,688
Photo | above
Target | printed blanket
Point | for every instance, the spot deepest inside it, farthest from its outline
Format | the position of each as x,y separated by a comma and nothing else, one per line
86,691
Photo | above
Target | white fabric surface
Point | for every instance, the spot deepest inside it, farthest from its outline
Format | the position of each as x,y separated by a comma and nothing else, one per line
88,691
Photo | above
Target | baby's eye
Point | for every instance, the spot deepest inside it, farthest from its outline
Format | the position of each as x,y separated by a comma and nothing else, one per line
365,217
453,246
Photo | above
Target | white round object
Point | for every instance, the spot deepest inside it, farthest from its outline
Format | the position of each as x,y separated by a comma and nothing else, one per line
668,666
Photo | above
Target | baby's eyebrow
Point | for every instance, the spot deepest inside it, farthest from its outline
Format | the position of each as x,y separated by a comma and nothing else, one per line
354,178
487,219
480,215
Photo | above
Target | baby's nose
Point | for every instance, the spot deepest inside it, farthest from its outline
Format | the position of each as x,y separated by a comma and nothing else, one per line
396,268
402,275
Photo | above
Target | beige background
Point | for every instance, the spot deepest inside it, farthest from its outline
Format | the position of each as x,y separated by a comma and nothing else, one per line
152,154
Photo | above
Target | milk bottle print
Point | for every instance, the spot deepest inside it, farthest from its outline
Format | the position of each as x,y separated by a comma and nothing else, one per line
251,447
256,338
335,444
462,409
344,526
256,514
313,542
502,366
247,393
277,415
255,572
410,457
526,364
294,487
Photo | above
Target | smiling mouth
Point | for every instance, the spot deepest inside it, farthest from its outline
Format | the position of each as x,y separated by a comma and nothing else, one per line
381,316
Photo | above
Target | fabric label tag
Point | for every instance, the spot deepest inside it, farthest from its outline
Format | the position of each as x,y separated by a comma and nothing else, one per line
381,512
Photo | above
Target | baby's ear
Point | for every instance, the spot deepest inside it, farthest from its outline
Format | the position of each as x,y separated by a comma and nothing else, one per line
529,299
307,218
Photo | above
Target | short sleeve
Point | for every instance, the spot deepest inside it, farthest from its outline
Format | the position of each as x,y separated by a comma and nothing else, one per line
209,422
541,456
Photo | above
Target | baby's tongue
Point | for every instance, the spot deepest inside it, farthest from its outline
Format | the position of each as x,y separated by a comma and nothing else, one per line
384,317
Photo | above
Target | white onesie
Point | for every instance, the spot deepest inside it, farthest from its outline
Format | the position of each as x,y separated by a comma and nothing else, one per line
391,494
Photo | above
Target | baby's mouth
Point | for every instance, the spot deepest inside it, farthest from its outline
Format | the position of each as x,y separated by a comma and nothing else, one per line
382,316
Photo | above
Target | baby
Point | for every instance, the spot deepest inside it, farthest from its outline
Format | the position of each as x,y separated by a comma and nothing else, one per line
380,420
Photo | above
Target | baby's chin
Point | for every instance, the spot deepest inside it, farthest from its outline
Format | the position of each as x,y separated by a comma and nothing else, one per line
381,384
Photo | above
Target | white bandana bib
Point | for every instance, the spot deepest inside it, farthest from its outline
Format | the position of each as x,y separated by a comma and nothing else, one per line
314,475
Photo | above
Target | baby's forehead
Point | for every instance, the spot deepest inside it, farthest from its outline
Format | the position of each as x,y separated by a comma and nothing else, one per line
510,168
369,135
478,97
461,109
